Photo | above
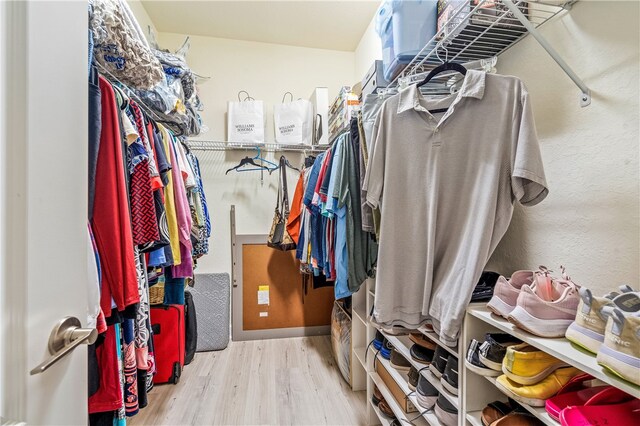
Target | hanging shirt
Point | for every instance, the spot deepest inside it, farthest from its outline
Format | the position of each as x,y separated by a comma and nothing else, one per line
315,237
172,219
361,246
111,223
295,215
446,188
183,216
340,214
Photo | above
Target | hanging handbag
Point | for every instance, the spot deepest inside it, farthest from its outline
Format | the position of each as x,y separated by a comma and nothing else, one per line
279,237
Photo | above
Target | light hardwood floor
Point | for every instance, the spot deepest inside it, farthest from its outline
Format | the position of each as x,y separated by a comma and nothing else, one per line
277,382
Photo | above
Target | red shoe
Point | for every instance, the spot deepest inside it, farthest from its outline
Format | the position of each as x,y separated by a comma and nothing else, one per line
575,392
611,406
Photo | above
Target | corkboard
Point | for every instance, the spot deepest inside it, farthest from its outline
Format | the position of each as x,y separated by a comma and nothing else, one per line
288,305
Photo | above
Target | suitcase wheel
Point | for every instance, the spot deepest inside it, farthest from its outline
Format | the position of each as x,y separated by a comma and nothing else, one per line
175,376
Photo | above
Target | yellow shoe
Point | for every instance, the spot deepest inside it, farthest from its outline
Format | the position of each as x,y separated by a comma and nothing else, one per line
535,395
527,365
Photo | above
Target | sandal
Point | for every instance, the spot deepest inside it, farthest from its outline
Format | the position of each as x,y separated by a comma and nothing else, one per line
604,408
575,392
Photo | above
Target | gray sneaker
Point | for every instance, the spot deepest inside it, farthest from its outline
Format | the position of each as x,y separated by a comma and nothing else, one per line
446,412
426,393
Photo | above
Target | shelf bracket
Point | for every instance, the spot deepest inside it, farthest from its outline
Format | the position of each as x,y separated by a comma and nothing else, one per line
585,96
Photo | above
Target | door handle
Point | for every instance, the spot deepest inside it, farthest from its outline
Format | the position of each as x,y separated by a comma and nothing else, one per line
65,337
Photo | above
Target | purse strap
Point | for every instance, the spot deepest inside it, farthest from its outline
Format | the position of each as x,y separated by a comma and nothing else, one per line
282,203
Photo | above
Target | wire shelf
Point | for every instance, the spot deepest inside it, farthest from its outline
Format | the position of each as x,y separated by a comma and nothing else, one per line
203,145
477,32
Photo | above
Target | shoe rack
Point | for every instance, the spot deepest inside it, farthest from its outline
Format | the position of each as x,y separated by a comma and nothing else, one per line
364,376
477,391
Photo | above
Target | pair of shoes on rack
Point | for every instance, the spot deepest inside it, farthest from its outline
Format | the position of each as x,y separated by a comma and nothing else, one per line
531,376
381,344
580,402
537,302
429,398
421,354
526,373
499,413
444,367
378,400
398,361
609,326
486,358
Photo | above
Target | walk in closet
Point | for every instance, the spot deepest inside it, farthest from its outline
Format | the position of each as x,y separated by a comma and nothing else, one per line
399,212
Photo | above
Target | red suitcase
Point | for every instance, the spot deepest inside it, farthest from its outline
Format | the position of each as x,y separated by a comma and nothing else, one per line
167,323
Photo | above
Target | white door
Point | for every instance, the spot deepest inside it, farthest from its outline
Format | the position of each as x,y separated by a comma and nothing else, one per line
43,215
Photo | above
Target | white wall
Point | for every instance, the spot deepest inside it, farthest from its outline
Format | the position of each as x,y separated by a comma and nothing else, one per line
590,220
142,16
369,49
266,71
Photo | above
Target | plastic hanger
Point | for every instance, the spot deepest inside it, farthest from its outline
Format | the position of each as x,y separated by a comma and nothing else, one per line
444,67
244,161
251,160
264,160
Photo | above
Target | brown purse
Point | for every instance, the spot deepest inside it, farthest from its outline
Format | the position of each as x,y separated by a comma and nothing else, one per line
279,237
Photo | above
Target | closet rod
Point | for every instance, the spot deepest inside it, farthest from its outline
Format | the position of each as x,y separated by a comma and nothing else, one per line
585,98
208,145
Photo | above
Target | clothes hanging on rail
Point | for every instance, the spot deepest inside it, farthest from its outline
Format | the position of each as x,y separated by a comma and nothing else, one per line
446,188
149,206
327,220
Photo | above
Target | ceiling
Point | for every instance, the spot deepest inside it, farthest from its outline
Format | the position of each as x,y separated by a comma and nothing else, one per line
335,25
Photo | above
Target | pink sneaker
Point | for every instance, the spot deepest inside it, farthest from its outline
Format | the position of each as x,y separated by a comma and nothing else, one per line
546,310
505,293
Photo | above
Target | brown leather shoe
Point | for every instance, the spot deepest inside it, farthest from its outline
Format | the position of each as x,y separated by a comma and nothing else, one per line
385,409
422,340
399,362
517,419
377,396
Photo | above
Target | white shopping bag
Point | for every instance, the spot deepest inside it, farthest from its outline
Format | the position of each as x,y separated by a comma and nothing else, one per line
245,120
293,121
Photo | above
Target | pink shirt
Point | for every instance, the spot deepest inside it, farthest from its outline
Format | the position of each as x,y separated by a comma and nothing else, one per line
183,215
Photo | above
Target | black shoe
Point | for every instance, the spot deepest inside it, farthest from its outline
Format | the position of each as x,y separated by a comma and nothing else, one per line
439,361
446,412
414,376
449,378
494,348
474,364
426,393
484,289
421,354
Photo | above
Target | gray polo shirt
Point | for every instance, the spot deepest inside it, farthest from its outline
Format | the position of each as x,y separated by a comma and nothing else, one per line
446,187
